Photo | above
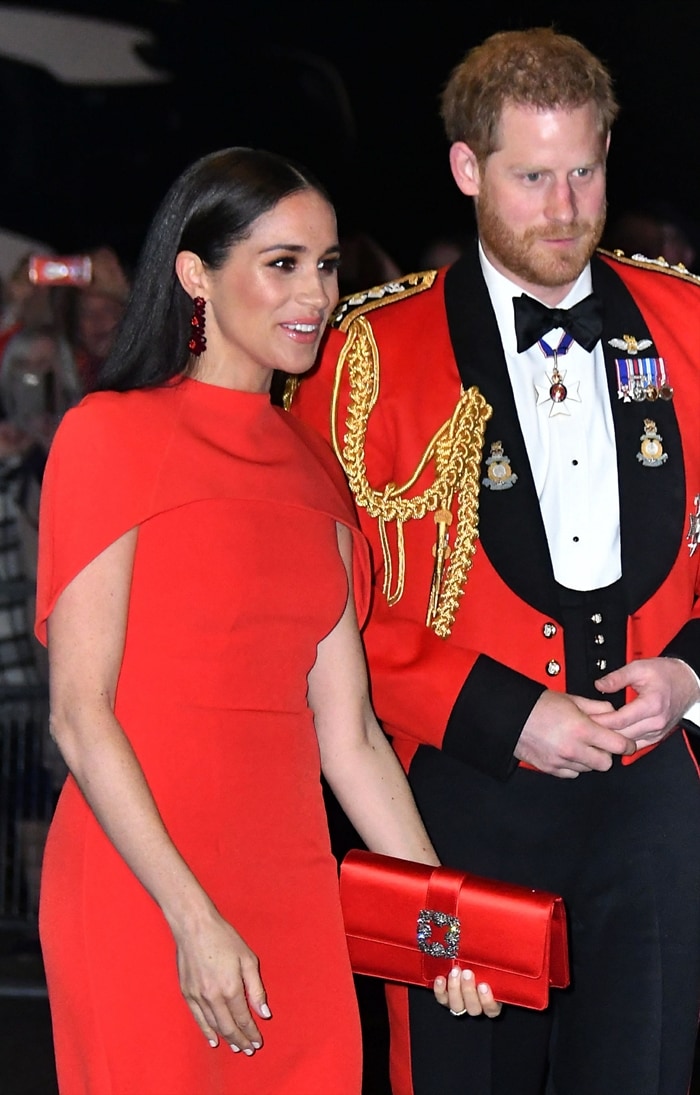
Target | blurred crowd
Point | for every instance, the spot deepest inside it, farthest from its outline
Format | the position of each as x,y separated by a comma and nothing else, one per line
53,335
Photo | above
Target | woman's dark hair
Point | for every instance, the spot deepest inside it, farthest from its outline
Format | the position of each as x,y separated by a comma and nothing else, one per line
210,207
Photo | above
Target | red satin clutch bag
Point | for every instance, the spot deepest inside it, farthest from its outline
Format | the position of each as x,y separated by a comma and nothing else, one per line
409,922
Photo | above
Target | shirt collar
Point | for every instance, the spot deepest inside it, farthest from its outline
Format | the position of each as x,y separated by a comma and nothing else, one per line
502,290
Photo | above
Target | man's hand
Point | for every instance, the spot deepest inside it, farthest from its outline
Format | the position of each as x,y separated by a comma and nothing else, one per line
564,736
665,687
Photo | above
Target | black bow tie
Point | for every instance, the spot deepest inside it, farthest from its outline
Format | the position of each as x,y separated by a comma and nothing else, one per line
584,322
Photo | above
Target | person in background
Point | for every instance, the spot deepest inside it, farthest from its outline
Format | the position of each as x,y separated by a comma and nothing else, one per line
365,262
442,249
39,381
91,313
656,230
23,304
520,432
200,572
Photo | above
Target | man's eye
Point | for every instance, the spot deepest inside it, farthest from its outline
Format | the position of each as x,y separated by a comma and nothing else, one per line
533,176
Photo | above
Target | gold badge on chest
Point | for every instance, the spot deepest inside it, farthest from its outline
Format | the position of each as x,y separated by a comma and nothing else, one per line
651,452
499,474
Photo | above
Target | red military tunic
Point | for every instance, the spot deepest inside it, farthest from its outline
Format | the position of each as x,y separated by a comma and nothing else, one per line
417,676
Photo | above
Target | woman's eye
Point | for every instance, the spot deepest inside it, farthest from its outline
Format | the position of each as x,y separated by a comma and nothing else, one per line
330,266
285,263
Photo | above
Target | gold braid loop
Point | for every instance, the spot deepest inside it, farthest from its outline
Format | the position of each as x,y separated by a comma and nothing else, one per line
290,389
456,452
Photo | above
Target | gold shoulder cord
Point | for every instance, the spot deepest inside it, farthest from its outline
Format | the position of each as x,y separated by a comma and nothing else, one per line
456,451
290,386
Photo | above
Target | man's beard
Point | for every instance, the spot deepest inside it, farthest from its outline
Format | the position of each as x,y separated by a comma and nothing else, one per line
519,255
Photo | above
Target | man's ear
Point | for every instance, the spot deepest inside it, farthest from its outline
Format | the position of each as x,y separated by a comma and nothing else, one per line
191,273
465,169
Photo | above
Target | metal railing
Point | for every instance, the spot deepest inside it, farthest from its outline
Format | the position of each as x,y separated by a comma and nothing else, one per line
30,776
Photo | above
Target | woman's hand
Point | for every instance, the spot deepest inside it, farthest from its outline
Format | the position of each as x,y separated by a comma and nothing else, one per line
460,993
220,980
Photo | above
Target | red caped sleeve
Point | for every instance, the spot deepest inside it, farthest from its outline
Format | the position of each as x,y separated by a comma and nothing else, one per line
97,485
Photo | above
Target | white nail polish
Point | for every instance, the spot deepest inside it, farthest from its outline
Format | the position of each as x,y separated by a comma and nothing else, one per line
236,1049
249,1052
213,1043
256,1045
265,1011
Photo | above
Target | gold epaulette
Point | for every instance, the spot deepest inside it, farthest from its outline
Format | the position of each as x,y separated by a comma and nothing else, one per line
660,264
350,307
455,451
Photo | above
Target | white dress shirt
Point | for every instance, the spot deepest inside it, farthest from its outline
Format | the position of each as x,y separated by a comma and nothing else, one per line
572,456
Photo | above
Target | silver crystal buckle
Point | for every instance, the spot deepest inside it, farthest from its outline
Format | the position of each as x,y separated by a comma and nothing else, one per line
450,944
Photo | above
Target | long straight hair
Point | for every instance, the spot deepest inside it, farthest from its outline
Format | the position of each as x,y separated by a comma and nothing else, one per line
208,209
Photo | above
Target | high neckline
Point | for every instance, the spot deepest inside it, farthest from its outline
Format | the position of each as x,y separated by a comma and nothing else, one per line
194,384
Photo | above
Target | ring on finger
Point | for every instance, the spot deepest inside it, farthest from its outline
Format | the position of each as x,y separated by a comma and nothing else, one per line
458,1013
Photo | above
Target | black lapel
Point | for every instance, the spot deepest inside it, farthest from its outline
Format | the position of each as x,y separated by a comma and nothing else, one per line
652,499
510,523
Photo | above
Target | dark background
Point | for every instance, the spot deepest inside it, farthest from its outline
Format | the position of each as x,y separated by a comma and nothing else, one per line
350,88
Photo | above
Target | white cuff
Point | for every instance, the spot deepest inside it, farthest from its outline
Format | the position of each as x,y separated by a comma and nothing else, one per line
692,713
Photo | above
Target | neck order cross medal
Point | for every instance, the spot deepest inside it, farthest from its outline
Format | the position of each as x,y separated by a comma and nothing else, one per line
556,391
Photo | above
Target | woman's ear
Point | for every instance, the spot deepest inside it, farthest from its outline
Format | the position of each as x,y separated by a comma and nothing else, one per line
465,169
191,273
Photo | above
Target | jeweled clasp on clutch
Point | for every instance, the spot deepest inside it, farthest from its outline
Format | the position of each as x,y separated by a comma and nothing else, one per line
449,947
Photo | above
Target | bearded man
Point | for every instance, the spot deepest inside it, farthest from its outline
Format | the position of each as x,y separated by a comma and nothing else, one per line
536,664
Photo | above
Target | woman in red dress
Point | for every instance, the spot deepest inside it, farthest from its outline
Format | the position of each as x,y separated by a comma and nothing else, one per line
201,577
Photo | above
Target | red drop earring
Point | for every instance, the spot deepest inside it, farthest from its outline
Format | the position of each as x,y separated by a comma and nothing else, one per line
198,343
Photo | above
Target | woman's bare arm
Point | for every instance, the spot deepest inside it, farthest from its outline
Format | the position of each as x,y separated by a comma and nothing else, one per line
356,756
364,772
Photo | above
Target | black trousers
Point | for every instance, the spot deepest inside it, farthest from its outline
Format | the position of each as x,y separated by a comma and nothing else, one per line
623,848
